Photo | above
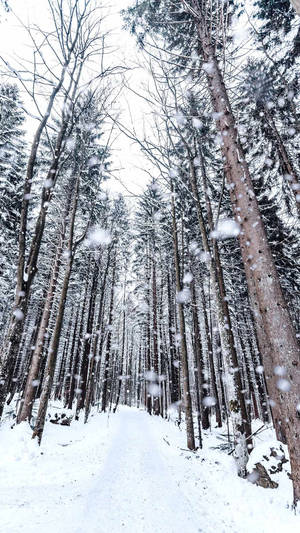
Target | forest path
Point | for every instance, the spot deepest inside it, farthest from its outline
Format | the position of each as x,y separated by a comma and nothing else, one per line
129,472
135,491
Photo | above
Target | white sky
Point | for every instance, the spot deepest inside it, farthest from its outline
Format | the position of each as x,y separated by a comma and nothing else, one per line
126,155
15,46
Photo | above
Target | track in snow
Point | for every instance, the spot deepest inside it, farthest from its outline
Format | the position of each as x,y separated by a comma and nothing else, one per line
118,474
134,491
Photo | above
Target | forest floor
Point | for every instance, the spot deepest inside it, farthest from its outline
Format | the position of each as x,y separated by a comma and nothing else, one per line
129,472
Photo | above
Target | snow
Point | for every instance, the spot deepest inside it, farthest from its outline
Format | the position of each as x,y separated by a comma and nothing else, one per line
184,296
98,236
226,229
180,118
259,369
18,314
209,401
48,183
208,67
188,277
130,472
283,384
153,389
197,122
150,375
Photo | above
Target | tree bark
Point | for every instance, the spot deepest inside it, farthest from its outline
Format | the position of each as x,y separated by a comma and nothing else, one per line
109,337
30,389
236,400
48,380
183,345
262,278
88,358
156,404
291,176
119,378
27,270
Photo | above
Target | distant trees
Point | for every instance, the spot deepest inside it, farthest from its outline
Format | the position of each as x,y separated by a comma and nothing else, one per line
12,164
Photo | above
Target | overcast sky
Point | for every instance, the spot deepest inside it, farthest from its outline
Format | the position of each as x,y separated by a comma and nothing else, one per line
126,156
14,44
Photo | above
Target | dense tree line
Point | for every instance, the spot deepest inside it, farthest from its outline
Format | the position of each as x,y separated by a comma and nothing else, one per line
188,302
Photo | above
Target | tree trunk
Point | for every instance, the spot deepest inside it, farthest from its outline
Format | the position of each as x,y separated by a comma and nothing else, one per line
109,337
40,422
237,406
183,345
67,388
174,374
88,357
291,176
119,378
269,307
30,389
76,366
156,405
26,273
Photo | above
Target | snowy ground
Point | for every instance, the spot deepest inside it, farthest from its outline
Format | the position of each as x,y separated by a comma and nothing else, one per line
130,473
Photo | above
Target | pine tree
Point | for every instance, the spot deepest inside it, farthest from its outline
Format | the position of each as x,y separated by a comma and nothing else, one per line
268,304
12,166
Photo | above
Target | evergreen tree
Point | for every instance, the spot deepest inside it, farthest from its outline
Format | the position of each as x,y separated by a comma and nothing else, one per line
12,167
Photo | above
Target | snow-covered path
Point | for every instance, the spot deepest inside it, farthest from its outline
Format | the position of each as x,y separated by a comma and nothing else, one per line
134,491
129,473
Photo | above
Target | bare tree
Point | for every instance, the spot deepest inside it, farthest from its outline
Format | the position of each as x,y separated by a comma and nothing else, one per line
74,41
